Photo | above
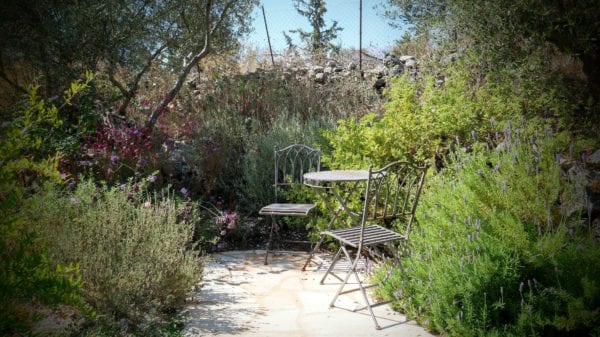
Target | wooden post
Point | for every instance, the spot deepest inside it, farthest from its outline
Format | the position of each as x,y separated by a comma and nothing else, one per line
268,37
360,38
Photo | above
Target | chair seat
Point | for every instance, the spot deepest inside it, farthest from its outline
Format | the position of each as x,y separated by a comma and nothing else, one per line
287,209
374,234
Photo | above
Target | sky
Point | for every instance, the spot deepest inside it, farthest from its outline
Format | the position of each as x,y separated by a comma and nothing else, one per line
282,16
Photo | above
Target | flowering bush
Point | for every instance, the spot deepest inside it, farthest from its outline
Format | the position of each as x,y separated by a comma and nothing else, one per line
494,253
115,152
220,224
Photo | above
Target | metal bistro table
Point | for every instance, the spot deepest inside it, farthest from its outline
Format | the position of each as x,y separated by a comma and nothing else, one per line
343,186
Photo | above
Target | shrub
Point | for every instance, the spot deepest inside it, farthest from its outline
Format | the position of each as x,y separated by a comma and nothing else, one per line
133,247
424,114
28,144
493,253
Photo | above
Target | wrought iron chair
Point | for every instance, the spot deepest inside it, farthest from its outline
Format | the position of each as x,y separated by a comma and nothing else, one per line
391,196
290,165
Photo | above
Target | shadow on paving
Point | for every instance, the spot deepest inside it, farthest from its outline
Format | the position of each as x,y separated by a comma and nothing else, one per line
240,296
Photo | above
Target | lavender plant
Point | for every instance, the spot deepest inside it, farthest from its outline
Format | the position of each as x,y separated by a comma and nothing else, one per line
492,254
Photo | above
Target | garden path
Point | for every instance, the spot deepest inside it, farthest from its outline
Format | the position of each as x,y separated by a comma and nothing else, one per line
242,297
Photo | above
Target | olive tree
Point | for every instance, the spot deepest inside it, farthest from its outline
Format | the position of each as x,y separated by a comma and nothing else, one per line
60,39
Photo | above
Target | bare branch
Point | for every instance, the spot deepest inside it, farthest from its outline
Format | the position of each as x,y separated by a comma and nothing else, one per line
128,94
159,110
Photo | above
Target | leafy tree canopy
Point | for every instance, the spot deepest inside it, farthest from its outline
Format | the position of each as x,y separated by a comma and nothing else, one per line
61,39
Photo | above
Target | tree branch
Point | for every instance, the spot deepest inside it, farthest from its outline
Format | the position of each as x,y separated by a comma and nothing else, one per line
159,110
129,94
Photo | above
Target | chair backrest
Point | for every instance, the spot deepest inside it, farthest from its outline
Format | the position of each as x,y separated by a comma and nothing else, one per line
292,162
393,192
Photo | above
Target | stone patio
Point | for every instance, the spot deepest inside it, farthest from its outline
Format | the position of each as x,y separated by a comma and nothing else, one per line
240,296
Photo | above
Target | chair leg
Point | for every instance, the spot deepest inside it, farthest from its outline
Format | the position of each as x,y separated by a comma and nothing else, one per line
331,266
351,271
366,298
344,282
270,243
312,254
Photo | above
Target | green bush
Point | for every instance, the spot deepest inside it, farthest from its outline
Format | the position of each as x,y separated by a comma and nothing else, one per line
422,115
133,247
493,254
29,279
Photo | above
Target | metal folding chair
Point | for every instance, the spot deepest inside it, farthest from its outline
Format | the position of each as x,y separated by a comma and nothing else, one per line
290,165
391,197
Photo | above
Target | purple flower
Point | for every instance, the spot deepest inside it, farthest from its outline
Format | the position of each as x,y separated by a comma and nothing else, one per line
141,162
184,191
114,158
74,200
152,179
122,187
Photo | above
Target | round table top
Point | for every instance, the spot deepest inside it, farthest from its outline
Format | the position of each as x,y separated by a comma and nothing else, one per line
336,176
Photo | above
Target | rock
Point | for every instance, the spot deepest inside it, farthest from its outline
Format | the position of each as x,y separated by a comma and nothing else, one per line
328,70
405,58
594,159
320,78
318,69
352,66
379,84
566,163
391,60
410,64
380,71
331,64
397,69
338,70
577,200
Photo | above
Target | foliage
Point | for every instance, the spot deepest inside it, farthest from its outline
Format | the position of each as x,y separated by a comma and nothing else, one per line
27,157
239,121
319,39
133,246
507,33
121,39
114,152
493,253
423,116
